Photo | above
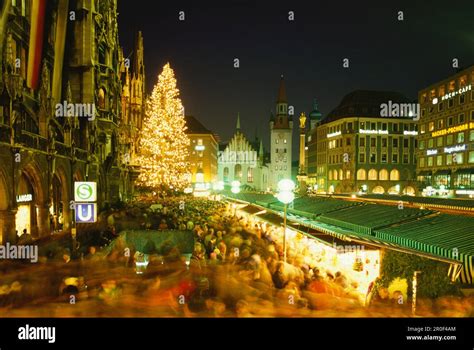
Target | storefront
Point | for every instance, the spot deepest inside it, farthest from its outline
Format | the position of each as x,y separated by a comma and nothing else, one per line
26,216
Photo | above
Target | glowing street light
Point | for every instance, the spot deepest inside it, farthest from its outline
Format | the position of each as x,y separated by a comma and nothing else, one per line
235,187
285,195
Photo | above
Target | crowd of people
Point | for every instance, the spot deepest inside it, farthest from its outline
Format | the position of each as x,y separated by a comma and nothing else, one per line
235,269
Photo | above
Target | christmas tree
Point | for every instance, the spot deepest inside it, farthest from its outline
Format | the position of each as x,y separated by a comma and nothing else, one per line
163,155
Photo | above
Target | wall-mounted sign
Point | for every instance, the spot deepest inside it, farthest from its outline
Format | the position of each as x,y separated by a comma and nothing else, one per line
457,92
200,148
334,134
85,191
86,213
431,152
455,149
453,129
411,133
373,132
24,198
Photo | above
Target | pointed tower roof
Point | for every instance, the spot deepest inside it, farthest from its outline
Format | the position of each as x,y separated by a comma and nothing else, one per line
238,122
260,151
282,91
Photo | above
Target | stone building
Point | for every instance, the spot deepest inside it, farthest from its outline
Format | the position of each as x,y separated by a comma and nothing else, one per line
240,161
61,111
360,149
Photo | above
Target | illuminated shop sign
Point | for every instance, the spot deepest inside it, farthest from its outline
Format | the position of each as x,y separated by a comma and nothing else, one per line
431,152
24,198
469,192
334,134
200,148
457,92
453,129
454,149
373,132
411,133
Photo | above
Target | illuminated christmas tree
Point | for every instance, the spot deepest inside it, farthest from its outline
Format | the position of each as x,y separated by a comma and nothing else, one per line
164,144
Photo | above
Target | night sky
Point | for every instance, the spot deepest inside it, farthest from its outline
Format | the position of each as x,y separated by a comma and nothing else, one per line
384,53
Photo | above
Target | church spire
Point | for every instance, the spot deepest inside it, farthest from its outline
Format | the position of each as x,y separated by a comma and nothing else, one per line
238,122
282,91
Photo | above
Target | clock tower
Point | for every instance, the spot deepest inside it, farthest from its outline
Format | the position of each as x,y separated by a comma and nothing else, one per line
281,129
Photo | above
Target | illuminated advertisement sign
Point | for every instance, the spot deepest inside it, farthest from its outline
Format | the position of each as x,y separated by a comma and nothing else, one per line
431,152
457,92
453,129
454,149
334,134
376,132
24,198
200,148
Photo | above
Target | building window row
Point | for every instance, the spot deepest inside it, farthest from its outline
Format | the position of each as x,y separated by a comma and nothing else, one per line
382,175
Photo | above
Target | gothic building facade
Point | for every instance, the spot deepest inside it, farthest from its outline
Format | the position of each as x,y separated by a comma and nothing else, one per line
239,160
66,111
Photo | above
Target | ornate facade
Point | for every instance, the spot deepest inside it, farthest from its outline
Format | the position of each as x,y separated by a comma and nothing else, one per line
63,107
239,161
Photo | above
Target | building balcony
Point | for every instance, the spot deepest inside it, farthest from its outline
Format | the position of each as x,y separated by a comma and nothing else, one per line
31,140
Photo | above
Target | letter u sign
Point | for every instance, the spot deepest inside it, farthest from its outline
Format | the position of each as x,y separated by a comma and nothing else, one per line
86,212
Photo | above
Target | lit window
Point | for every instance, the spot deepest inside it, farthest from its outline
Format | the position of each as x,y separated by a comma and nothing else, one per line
460,137
361,174
439,141
471,157
439,160
422,162
373,174
383,175
449,139
394,175
449,159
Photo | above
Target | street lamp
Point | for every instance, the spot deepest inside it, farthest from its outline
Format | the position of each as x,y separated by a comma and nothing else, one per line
235,187
285,195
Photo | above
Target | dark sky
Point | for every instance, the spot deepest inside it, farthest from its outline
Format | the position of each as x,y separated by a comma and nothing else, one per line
384,53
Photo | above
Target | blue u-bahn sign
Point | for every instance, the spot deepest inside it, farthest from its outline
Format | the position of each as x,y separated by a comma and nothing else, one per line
86,213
